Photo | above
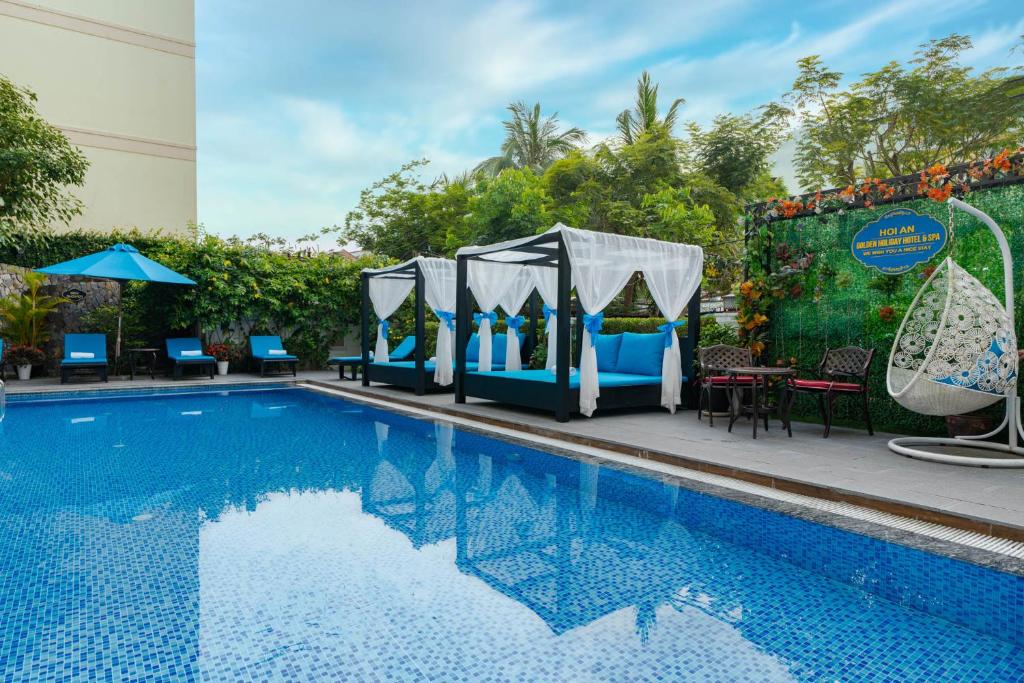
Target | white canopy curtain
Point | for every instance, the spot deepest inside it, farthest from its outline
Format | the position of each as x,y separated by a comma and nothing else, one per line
520,285
439,286
545,279
386,295
488,284
601,265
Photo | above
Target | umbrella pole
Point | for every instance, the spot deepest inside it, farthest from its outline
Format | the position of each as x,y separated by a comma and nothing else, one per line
120,309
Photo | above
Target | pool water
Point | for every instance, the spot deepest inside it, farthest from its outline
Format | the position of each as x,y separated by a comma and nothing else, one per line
284,535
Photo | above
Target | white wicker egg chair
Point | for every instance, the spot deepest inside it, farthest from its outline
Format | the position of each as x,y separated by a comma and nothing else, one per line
956,352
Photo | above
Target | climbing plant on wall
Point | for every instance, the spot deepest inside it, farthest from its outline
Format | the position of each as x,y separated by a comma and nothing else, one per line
805,291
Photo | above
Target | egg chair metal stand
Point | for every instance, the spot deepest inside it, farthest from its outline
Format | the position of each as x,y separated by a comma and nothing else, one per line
988,367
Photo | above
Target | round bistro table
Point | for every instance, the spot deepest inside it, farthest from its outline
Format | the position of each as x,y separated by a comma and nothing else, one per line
758,405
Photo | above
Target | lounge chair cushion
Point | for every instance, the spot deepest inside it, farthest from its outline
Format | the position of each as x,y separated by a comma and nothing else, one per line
95,344
403,350
604,379
269,347
607,346
176,345
641,354
346,359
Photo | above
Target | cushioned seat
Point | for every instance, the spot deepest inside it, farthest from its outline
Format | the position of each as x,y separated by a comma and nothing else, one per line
401,352
431,366
824,385
725,379
96,344
604,379
178,362
260,348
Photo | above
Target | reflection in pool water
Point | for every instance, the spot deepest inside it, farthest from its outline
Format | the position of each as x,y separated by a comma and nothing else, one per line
286,535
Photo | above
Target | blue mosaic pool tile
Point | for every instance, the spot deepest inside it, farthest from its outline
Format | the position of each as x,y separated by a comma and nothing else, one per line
283,535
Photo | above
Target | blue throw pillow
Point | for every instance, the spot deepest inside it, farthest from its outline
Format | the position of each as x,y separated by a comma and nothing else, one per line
473,348
498,344
641,354
607,346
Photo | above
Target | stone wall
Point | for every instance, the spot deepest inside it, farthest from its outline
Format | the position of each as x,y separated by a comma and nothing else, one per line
86,294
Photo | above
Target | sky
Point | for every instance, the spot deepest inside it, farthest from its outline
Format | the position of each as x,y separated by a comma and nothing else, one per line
302,104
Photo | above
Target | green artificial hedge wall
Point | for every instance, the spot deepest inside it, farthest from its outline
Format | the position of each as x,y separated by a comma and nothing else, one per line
842,302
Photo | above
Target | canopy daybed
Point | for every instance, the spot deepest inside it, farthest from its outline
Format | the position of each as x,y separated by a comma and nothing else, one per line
614,371
432,282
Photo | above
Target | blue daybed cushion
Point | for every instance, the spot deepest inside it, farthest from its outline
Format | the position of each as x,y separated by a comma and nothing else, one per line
607,346
604,379
641,354
431,365
499,342
95,344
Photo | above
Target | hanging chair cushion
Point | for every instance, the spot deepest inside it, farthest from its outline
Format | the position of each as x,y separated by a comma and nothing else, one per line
955,351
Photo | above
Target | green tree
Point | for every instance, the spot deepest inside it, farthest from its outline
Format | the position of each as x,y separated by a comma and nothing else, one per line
902,118
531,141
735,150
512,205
400,216
644,117
37,164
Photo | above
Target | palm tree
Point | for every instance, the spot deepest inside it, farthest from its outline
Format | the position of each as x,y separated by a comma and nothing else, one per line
532,142
644,116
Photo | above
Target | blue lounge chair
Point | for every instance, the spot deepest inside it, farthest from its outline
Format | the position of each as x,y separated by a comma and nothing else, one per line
402,352
84,352
268,350
182,352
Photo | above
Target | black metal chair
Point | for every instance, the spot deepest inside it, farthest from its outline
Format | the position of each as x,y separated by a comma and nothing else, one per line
714,362
841,372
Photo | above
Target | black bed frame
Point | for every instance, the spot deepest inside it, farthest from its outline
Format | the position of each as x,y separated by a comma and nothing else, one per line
549,250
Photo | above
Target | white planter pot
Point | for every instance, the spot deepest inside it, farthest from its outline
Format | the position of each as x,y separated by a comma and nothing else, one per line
24,371
222,367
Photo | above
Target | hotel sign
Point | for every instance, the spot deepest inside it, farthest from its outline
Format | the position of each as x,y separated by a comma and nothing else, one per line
898,240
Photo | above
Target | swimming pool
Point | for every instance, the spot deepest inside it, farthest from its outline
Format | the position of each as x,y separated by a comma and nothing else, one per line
282,534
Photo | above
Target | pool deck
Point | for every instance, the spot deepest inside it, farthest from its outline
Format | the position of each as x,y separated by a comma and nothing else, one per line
849,466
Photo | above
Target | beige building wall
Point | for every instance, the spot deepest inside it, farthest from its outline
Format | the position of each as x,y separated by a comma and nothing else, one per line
118,77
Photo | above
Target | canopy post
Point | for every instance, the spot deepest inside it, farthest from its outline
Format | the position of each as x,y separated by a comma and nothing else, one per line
562,362
461,327
533,326
421,335
365,277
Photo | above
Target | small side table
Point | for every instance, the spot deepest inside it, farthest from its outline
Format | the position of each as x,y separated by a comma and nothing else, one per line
761,377
142,359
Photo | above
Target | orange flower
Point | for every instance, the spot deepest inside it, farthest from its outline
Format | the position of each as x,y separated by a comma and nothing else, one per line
938,171
746,287
847,193
940,194
922,184
1002,161
757,348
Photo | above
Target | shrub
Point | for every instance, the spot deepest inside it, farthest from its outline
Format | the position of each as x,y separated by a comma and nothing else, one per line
21,354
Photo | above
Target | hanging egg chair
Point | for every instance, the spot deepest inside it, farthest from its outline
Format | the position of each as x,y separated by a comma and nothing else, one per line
956,352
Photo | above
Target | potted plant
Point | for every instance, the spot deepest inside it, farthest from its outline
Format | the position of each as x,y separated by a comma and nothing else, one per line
23,357
223,353
23,316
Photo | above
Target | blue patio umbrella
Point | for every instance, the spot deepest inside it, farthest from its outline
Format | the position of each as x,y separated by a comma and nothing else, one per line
121,262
